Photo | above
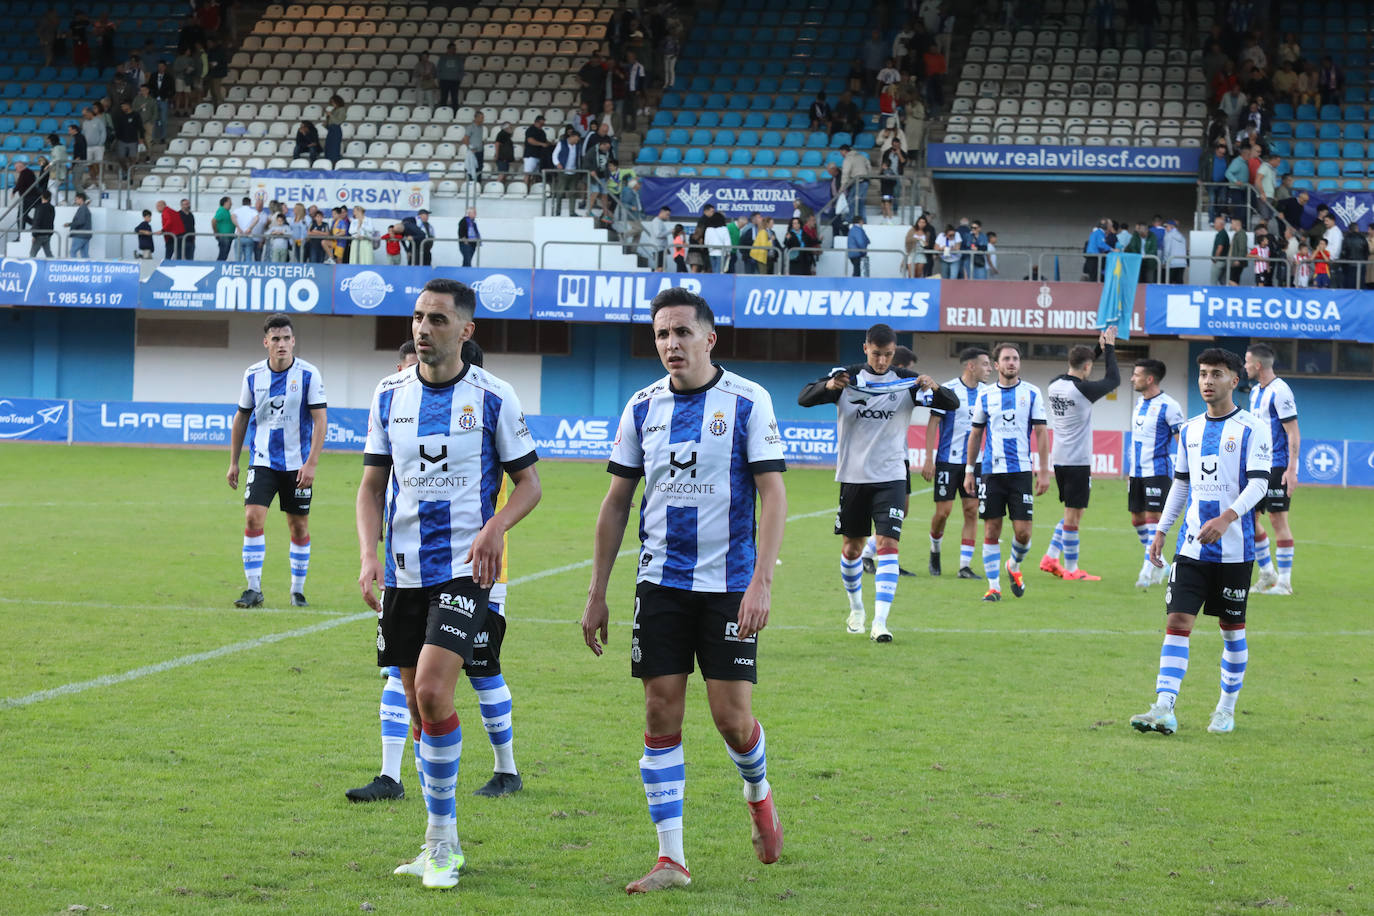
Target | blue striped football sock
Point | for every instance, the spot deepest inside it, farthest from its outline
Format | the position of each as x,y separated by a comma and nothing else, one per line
300,564
254,551
493,699
1147,534
395,724
1262,551
992,564
1056,541
1070,548
852,575
753,765
885,586
1235,654
1173,665
664,772
965,554
441,747
1018,552
1283,558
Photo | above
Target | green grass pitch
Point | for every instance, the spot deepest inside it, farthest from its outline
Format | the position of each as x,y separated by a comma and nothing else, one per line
165,753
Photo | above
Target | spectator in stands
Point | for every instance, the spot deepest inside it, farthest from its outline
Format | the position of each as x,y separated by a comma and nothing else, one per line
1253,54
1317,228
134,71
188,228
1355,250
335,116
1224,81
143,233
475,136
583,119
79,153
1306,91
162,87
119,89
965,230
1234,103
893,164
873,55
1221,247
1321,265
679,248
697,261
245,217
1266,185
887,77
308,146
1239,252
591,77
566,162
366,238
716,235
43,219
636,84
223,225
337,250
846,117
977,243
315,235
469,236
1285,83
798,258
599,162
1142,242
536,143
46,31
1104,13
854,177
1330,82
1368,242
1095,249
57,166
1212,176
279,240
1157,230
299,224
858,243
426,76
449,71
734,228
653,244
172,231
1174,252
935,65
902,42
608,118
1238,181
856,78
1261,256
820,112
919,243
393,241
80,33
128,128
505,149
218,69
948,245
146,108
185,75
670,49
1335,247
80,226
762,253
1142,15
420,232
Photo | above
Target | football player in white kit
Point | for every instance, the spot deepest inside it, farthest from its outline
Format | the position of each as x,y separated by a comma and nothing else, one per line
1149,460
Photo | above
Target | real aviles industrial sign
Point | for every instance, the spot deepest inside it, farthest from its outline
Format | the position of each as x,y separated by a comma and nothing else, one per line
1240,311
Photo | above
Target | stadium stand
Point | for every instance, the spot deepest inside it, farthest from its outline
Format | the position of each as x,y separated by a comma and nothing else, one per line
741,111
1051,85
521,61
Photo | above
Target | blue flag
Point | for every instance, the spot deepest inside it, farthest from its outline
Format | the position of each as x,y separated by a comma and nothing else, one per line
1118,293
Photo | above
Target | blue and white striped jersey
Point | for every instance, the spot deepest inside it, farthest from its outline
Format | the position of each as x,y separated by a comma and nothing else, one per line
955,425
1150,451
279,403
1218,457
1009,415
448,447
698,452
1274,403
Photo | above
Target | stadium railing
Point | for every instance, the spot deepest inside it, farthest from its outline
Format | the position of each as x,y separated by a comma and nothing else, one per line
1221,198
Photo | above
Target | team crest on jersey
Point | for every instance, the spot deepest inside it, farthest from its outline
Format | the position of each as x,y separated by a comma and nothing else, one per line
468,419
717,425
1230,445
295,385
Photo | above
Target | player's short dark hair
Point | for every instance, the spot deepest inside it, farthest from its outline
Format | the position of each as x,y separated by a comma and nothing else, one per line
997,350
969,353
464,297
903,357
880,335
1153,367
472,353
1261,351
278,321
1080,356
1219,356
678,295
406,349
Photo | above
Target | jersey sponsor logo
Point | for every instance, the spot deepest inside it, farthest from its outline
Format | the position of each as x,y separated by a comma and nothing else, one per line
483,639
447,628
873,414
428,461
399,420
747,662
896,513
660,793
732,634
400,560
1234,594
682,461
461,604
646,558
468,419
381,640
1060,405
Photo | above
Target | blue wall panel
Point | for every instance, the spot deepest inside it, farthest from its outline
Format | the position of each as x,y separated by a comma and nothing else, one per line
67,353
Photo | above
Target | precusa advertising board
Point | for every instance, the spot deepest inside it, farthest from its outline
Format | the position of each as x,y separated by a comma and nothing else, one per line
1232,311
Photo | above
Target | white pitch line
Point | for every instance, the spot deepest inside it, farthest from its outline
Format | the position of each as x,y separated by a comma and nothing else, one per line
104,605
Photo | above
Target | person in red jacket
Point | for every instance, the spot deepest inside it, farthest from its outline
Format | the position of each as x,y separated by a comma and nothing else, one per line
172,230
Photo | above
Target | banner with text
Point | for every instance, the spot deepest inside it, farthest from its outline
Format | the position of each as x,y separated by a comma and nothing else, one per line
686,197
601,295
1323,314
233,286
836,303
165,423
1026,307
34,420
76,284
393,290
1103,161
388,195
1108,452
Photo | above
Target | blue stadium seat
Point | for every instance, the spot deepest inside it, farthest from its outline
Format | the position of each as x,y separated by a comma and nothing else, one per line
1307,113
806,176
76,91
1330,113
710,172
11,143
1328,185
36,145
770,138
817,140
762,102
1353,150
670,156
835,158
789,158
1352,169
746,84
694,156
647,155
717,157
754,120
1356,94
1328,150
800,120
654,136
18,107
1329,131
812,85
1281,129
724,138
49,126
785,174
1352,132
1305,130
1304,168
732,120
748,138
1352,185
1328,169
812,159
777,120
663,118
686,119
670,99
40,108
759,174
26,125
678,136
693,100
1355,113
765,157
1282,148
686,171
740,102
709,119
794,138
721,84
714,100
840,138
735,174
701,137
789,85
1283,112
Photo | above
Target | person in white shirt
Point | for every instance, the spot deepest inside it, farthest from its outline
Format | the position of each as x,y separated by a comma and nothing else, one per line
947,245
